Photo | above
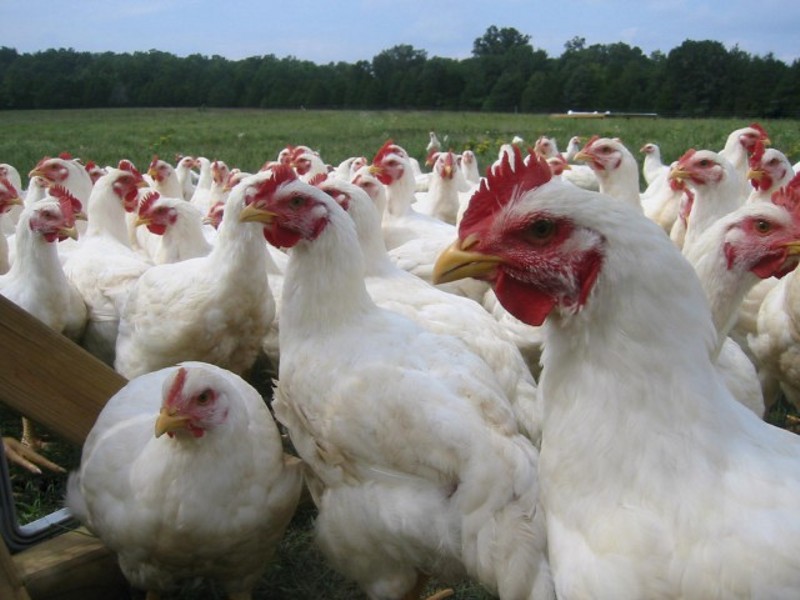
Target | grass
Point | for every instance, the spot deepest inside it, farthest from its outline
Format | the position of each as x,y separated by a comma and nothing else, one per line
246,139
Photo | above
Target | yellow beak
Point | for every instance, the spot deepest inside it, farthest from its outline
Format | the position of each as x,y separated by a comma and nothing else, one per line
69,232
169,421
678,174
374,169
142,221
457,262
583,157
793,247
251,214
756,174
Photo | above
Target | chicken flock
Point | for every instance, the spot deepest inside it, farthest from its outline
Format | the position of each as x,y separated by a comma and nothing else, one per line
545,379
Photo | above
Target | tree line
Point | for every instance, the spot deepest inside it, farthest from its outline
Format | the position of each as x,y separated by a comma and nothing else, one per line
504,73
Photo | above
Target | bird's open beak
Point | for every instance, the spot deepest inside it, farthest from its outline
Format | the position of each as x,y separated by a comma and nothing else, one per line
169,421
251,214
457,262
68,232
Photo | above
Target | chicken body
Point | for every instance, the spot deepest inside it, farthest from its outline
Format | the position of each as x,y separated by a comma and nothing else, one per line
210,499
103,267
215,308
36,280
615,167
655,482
418,463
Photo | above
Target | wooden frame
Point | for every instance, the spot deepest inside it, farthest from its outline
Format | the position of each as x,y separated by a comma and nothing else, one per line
54,382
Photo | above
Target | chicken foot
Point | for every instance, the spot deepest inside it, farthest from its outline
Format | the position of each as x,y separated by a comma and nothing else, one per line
416,592
23,455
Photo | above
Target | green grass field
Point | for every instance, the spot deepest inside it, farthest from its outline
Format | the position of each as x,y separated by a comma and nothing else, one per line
246,139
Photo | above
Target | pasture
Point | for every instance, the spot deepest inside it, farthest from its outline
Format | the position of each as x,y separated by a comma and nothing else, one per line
248,138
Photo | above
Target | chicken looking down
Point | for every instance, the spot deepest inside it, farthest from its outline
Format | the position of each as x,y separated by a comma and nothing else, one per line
418,464
689,494
211,498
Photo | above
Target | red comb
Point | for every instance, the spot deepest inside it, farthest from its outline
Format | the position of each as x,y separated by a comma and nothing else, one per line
65,156
153,162
789,196
69,204
591,141
686,156
147,201
504,185
758,153
318,179
388,147
176,388
128,166
280,175
760,130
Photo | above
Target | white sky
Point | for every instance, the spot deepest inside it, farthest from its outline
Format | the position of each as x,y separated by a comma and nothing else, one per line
353,30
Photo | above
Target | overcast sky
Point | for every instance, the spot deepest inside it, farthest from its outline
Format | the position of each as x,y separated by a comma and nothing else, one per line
352,30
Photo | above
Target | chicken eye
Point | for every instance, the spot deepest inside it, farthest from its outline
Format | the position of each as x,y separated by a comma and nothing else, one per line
763,226
704,163
541,230
204,397
297,202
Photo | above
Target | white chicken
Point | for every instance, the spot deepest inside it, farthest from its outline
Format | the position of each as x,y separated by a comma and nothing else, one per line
401,222
177,226
447,191
418,464
9,198
210,499
183,169
215,308
755,242
416,255
769,171
615,167
165,178
738,146
36,281
774,343
103,266
655,482
580,175
392,288
716,188
469,165
652,167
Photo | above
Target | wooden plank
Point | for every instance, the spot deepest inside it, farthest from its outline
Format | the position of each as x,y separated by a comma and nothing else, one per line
11,585
54,382
50,379
72,566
